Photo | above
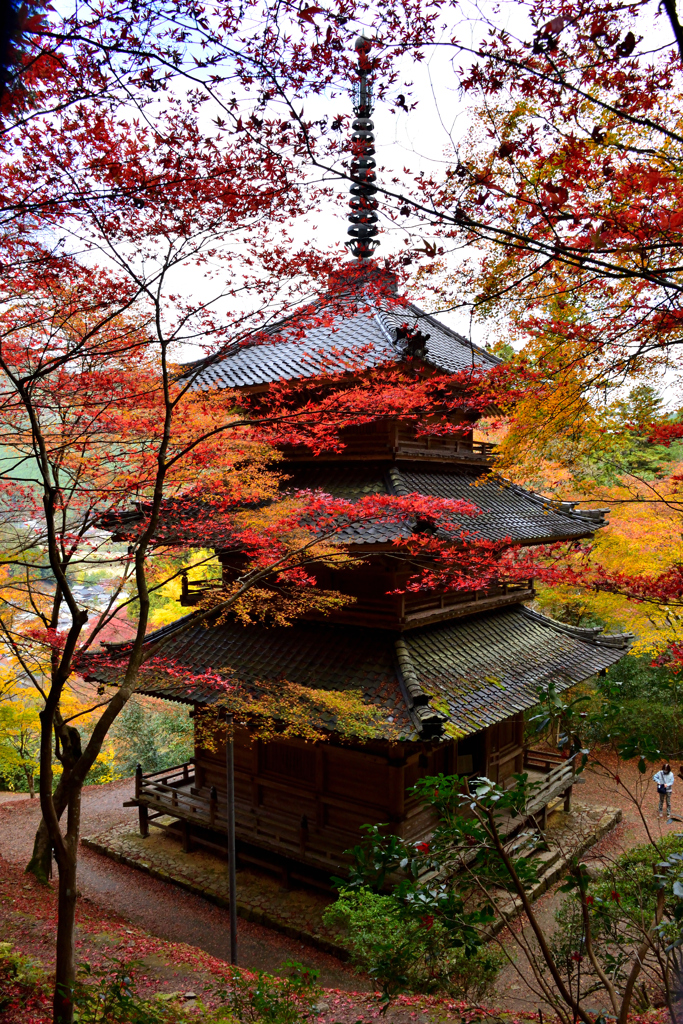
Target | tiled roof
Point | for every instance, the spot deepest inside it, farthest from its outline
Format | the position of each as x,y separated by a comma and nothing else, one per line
320,656
507,510
465,675
481,670
363,338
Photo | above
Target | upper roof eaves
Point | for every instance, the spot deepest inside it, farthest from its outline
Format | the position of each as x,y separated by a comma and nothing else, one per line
360,340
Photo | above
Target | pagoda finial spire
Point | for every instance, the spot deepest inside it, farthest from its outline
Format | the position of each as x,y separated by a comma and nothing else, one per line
363,205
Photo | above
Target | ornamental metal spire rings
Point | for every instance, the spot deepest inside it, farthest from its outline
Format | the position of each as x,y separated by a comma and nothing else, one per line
363,216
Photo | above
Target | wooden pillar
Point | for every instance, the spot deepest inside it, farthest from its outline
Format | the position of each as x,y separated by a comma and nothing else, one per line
232,846
213,801
568,799
255,772
319,786
138,781
187,836
303,835
143,818
488,753
396,795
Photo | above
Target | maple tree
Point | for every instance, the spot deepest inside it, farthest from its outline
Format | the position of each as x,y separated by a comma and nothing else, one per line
110,199
131,173
570,184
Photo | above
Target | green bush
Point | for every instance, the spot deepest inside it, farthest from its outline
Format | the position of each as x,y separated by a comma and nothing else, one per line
153,733
107,995
22,982
408,954
636,706
639,703
264,999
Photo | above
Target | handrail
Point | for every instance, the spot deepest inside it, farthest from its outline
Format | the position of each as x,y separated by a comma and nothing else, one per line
537,758
168,772
555,781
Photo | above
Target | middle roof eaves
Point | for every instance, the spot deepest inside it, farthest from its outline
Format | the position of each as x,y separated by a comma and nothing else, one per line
507,511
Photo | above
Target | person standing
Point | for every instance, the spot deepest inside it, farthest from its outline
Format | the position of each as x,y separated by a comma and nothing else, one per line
665,783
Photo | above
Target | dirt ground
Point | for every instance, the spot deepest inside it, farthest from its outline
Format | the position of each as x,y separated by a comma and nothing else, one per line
183,940
159,908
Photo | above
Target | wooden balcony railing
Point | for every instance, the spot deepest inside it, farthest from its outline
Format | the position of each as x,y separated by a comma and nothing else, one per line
172,793
560,777
543,760
443,449
416,606
191,590
405,610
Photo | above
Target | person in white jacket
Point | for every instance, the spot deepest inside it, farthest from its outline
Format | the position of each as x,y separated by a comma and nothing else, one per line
665,783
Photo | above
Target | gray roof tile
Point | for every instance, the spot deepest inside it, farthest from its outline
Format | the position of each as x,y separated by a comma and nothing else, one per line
362,338
489,667
506,509
485,668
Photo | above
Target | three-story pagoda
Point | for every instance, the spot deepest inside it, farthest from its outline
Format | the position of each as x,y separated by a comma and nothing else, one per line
452,672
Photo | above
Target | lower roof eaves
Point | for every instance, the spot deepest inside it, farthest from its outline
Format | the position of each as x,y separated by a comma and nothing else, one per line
481,670
450,679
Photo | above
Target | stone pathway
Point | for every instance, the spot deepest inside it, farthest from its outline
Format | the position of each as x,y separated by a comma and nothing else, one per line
296,912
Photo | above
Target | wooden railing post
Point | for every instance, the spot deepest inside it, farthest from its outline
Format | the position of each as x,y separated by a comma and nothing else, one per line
143,818
303,834
186,836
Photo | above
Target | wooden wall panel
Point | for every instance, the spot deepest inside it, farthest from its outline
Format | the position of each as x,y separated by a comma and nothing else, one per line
307,801
356,776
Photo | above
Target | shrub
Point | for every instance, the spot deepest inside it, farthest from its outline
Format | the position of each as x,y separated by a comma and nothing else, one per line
408,954
622,903
152,733
22,983
108,995
268,1000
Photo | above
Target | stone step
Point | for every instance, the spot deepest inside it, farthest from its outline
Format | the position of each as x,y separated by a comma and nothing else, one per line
552,866
545,860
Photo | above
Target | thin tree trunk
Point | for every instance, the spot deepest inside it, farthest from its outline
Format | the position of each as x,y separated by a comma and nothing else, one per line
674,20
588,938
641,953
65,968
39,864
573,1004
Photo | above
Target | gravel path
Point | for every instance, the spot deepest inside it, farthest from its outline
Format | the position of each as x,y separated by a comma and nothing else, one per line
161,909
169,913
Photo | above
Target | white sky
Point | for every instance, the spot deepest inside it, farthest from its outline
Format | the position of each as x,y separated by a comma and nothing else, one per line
419,139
